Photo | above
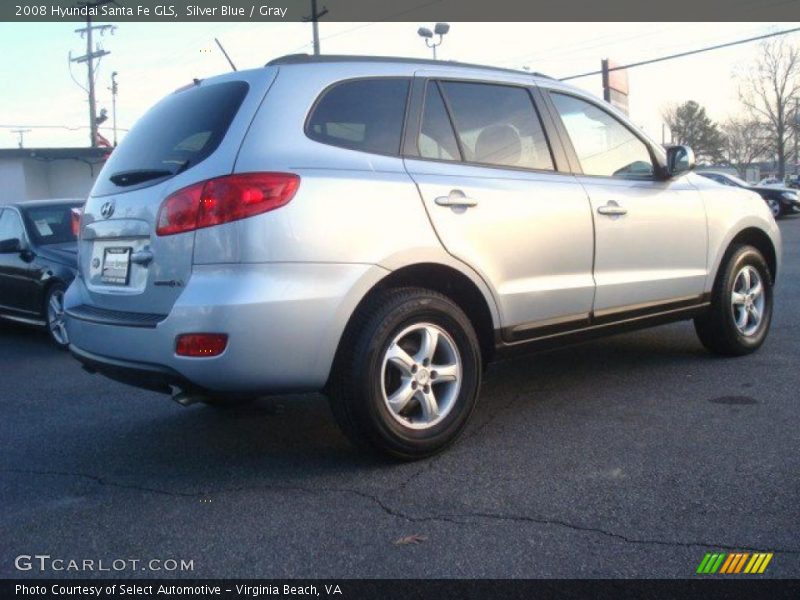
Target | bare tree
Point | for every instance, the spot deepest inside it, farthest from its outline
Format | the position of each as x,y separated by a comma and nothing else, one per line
746,141
767,90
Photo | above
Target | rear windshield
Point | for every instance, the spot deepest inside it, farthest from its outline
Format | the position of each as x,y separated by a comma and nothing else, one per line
177,133
50,224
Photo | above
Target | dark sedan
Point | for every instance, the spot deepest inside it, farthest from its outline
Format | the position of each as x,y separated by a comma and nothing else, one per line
38,261
781,201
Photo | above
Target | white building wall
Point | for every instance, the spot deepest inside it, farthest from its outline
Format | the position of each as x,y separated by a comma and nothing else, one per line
33,179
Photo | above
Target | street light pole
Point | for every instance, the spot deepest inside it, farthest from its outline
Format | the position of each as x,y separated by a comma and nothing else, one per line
440,29
114,104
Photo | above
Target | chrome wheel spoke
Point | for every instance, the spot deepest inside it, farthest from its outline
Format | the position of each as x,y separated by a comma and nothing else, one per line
400,359
756,290
427,401
399,400
427,347
445,373
738,298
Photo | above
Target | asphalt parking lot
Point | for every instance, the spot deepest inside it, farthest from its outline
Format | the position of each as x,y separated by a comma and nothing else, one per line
628,457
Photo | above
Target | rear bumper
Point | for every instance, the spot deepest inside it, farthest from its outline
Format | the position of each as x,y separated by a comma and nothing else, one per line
283,321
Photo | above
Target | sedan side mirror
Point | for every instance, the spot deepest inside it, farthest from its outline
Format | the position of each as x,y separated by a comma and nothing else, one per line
10,246
680,159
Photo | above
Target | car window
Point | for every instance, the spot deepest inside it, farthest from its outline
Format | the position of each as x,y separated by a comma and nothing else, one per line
50,224
10,226
498,125
363,114
436,136
604,146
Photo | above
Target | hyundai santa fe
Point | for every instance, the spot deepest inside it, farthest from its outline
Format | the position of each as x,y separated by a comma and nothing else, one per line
380,229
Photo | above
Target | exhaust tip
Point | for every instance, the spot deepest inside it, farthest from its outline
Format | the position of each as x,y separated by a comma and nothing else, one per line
184,397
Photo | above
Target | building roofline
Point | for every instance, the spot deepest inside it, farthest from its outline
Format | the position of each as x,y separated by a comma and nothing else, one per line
300,59
55,153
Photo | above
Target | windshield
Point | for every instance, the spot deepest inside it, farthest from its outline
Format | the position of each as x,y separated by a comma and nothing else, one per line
50,224
177,133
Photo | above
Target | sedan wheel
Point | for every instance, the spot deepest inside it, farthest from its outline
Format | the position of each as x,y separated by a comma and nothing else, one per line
55,316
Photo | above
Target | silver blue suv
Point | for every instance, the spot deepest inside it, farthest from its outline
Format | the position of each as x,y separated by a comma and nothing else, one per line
380,229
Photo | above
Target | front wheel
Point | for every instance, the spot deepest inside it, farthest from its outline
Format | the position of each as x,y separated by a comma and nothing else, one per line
54,313
741,305
407,374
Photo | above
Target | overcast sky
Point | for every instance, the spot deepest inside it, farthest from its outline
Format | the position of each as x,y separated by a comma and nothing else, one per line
153,59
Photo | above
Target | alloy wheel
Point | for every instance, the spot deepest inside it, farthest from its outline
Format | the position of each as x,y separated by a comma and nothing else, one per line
55,318
747,300
421,376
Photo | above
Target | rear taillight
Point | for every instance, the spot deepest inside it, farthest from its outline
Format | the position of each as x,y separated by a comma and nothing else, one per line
223,200
75,221
201,344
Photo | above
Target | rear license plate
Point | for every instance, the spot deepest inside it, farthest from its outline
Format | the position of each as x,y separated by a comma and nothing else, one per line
116,266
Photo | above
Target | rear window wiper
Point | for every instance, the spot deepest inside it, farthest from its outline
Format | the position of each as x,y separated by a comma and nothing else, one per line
125,178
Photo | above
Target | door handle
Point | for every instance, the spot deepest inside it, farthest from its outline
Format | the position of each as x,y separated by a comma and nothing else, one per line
612,209
456,199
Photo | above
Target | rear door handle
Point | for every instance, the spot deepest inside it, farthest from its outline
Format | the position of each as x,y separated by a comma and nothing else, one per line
456,199
612,209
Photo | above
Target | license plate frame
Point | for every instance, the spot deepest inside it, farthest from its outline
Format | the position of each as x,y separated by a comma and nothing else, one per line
116,271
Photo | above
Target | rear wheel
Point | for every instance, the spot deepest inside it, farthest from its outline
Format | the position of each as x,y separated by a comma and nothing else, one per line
407,375
54,313
741,305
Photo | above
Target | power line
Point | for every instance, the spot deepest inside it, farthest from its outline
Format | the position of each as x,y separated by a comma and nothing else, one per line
687,53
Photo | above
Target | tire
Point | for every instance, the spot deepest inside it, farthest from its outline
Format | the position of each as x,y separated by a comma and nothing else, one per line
384,355
54,315
775,207
718,329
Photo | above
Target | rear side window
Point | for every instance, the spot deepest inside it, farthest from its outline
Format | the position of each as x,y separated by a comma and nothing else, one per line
498,125
177,133
362,114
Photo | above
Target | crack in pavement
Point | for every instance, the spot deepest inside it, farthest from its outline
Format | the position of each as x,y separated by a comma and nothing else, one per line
466,518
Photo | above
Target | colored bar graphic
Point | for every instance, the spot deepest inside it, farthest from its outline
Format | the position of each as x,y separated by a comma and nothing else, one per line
727,564
734,563
703,563
765,563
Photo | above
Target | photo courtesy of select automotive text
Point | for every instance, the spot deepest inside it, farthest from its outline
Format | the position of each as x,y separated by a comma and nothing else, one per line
400,299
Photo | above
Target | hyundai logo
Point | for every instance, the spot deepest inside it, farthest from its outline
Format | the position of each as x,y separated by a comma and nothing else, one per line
107,209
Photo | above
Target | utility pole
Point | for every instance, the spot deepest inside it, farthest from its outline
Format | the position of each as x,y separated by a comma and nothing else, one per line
314,18
89,57
796,127
114,91
21,133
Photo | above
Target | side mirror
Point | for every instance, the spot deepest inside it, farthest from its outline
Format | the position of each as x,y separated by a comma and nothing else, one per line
680,159
10,246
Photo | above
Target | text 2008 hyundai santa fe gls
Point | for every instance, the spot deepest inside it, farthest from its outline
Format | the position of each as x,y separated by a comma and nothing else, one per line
380,228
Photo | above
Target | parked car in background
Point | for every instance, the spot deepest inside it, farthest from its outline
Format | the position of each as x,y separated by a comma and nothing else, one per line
781,200
382,228
770,182
38,261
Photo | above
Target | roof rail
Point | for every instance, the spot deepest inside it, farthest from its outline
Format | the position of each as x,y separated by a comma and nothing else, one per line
296,59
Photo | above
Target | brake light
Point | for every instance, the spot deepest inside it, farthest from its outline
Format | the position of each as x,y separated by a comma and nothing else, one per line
75,220
201,344
224,199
